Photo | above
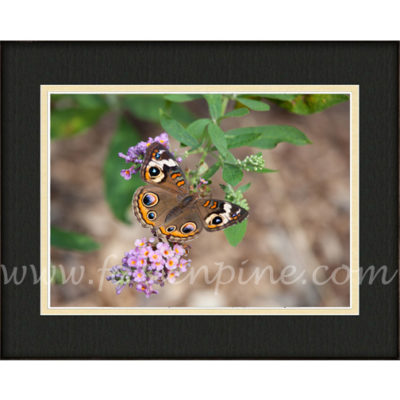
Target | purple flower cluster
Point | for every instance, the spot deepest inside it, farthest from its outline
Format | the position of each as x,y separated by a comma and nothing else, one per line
149,264
136,153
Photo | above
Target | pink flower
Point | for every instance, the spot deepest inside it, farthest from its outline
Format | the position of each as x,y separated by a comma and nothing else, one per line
172,263
126,174
136,154
132,261
182,266
141,262
145,251
158,265
140,242
148,265
139,276
172,275
179,250
165,250
155,256
163,139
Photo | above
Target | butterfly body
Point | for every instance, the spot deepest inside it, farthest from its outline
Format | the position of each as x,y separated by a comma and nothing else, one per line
167,207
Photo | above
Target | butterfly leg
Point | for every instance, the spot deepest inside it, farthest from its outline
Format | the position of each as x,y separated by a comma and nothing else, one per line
154,232
187,248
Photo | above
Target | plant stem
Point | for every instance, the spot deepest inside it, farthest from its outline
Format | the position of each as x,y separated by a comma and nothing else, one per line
225,101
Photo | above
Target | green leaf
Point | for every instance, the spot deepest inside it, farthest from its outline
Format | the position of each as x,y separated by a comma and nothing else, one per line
68,122
147,107
244,188
241,140
118,191
232,174
214,105
181,113
90,100
262,170
277,96
312,103
218,138
72,240
144,106
180,98
270,136
56,275
202,168
211,171
234,196
235,233
253,104
230,158
175,129
197,128
239,112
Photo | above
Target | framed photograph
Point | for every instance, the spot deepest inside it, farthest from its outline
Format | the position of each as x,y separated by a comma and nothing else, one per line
200,200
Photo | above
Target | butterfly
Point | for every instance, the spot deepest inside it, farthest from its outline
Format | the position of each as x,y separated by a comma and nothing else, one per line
167,207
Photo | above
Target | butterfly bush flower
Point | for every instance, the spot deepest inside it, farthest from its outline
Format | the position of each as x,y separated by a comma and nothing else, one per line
148,265
136,153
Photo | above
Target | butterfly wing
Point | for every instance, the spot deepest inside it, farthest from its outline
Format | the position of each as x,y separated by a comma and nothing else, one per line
219,214
160,168
160,210
166,206
181,224
151,205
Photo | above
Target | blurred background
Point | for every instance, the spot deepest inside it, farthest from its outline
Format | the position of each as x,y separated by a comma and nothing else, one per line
298,216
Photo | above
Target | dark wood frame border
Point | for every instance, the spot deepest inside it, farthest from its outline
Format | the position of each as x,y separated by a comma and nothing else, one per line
372,65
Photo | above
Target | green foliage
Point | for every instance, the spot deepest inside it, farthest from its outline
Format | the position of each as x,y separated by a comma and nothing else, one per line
217,137
235,233
211,171
72,240
181,98
232,174
181,113
311,103
214,105
239,112
197,128
254,163
244,188
253,104
119,192
278,96
144,107
243,138
75,113
56,275
68,122
91,101
147,107
236,196
265,137
175,129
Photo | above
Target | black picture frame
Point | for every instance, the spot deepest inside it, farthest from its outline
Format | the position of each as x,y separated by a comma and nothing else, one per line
374,66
